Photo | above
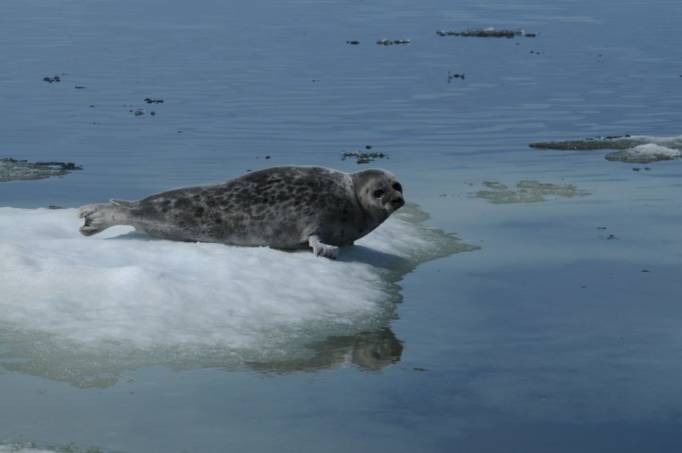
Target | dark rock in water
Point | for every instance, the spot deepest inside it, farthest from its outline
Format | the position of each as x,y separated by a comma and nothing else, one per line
393,42
14,170
353,43
153,101
55,79
363,158
486,33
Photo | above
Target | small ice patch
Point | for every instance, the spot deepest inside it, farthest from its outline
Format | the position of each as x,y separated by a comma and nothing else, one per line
642,154
639,149
609,142
14,170
18,449
120,300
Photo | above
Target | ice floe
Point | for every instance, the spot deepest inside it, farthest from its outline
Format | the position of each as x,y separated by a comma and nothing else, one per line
644,154
13,169
122,300
639,149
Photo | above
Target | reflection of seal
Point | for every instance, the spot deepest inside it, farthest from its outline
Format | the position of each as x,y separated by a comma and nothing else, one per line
281,207
370,351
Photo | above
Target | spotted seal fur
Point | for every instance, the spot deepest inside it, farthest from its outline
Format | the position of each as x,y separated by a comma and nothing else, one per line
280,207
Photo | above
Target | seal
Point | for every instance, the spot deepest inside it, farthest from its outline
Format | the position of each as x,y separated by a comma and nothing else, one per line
280,207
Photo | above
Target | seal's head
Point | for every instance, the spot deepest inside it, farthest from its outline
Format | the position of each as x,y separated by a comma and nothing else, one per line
379,193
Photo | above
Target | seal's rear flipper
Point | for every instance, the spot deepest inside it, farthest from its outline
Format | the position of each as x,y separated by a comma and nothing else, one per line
99,217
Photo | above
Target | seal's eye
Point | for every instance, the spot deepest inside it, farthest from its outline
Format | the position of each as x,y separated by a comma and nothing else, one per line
378,193
397,187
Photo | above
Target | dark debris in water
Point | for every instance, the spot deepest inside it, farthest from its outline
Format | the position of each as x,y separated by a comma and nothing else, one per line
393,42
362,157
455,75
54,79
15,170
487,33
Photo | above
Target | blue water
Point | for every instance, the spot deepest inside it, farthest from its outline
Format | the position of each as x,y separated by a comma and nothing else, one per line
549,338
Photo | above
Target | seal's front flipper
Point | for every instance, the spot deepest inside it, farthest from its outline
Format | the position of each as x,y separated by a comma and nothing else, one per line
321,249
99,217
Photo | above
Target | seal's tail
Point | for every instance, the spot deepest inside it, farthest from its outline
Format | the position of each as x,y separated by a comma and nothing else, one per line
99,217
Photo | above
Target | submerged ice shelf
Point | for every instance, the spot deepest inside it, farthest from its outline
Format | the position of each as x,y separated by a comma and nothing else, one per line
121,300
527,192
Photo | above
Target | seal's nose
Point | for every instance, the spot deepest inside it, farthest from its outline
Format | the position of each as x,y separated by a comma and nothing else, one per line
397,202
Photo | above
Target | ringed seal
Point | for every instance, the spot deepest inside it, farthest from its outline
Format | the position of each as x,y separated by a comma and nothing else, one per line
279,207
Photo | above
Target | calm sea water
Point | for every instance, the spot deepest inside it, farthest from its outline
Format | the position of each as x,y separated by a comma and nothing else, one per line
554,336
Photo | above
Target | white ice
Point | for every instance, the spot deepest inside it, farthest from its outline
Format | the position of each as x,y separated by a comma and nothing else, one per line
127,291
654,150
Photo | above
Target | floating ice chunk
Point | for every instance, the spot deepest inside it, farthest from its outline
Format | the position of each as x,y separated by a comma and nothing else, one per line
19,449
646,153
639,149
609,142
13,170
120,299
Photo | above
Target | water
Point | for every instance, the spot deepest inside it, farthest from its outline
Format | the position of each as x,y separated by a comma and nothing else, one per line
560,334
